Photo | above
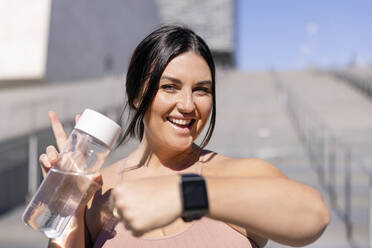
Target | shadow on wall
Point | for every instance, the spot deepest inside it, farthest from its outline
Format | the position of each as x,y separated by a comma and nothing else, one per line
14,170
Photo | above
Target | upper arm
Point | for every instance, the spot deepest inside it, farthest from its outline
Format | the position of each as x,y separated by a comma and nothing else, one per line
243,167
255,167
246,167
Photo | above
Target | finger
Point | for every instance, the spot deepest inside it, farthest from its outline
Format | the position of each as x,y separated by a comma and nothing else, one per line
94,186
137,233
115,209
115,213
125,222
77,117
52,154
45,165
96,178
58,131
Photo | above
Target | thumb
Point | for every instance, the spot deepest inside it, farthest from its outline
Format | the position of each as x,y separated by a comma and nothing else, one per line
77,117
95,184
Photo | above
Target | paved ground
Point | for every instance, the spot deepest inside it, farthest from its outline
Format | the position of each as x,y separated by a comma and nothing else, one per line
251,122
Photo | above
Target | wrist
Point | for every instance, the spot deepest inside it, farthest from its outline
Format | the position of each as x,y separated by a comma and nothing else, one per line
194,196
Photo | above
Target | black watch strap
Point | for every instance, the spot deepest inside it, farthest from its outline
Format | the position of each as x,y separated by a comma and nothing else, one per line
194,197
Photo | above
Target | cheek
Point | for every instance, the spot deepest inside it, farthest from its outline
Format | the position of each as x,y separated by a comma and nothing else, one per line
159,108
205,107
162,100
162,103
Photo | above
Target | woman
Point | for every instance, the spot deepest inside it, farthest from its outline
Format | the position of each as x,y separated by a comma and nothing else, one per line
149,198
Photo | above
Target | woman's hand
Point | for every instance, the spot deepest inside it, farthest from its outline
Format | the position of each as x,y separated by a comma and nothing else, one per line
51,156
148,203
74,234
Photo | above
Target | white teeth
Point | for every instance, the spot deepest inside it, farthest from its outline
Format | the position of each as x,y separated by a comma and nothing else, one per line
179,121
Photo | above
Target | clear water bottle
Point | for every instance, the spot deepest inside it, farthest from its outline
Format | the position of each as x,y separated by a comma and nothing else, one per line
65,185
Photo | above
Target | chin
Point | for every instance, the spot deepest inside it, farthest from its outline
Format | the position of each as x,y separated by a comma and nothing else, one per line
181,145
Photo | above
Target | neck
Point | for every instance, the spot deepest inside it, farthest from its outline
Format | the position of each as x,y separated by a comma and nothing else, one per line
153,157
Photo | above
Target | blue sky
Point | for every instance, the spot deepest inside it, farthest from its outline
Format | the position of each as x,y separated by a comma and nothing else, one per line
291,34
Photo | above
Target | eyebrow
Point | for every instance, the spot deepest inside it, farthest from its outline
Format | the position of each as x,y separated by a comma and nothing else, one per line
205,83
176,80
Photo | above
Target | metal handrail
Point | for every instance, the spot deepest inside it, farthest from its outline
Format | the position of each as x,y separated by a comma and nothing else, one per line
322,147
362,84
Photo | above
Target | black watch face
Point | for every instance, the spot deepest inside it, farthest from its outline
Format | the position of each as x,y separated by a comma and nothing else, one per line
195,195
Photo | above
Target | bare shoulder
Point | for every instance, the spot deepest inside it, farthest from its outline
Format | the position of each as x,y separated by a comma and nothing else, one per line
111,174
221,165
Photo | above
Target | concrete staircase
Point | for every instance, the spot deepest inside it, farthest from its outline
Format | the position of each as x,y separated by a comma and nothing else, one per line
253,122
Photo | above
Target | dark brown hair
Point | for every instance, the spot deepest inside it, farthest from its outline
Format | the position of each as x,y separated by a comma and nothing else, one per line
147,64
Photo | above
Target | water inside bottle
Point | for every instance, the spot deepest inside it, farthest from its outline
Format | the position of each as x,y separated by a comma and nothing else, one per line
52,208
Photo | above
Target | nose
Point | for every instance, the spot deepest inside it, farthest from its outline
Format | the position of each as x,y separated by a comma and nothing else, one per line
185,103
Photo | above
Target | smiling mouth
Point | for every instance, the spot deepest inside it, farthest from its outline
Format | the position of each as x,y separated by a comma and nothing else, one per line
181,122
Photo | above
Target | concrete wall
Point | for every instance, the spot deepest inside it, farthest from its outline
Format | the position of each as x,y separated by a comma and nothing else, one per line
24,26
24,110
62,40
212,19
13,173
90,39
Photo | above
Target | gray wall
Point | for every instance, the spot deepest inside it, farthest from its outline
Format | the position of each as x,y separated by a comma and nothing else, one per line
213,20
93,38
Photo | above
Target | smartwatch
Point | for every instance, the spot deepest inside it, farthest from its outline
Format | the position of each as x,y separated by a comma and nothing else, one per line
194,197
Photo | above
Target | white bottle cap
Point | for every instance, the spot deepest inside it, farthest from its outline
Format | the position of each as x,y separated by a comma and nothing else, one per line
99,126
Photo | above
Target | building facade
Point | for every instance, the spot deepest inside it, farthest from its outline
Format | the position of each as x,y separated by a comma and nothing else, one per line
58,41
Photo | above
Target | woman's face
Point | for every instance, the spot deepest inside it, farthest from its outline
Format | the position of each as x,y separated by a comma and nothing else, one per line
182,104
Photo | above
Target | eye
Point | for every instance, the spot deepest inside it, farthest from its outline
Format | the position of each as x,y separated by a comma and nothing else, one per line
168,87
202,90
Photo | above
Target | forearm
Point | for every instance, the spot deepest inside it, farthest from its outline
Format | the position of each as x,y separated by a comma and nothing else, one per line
73,236
272,207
